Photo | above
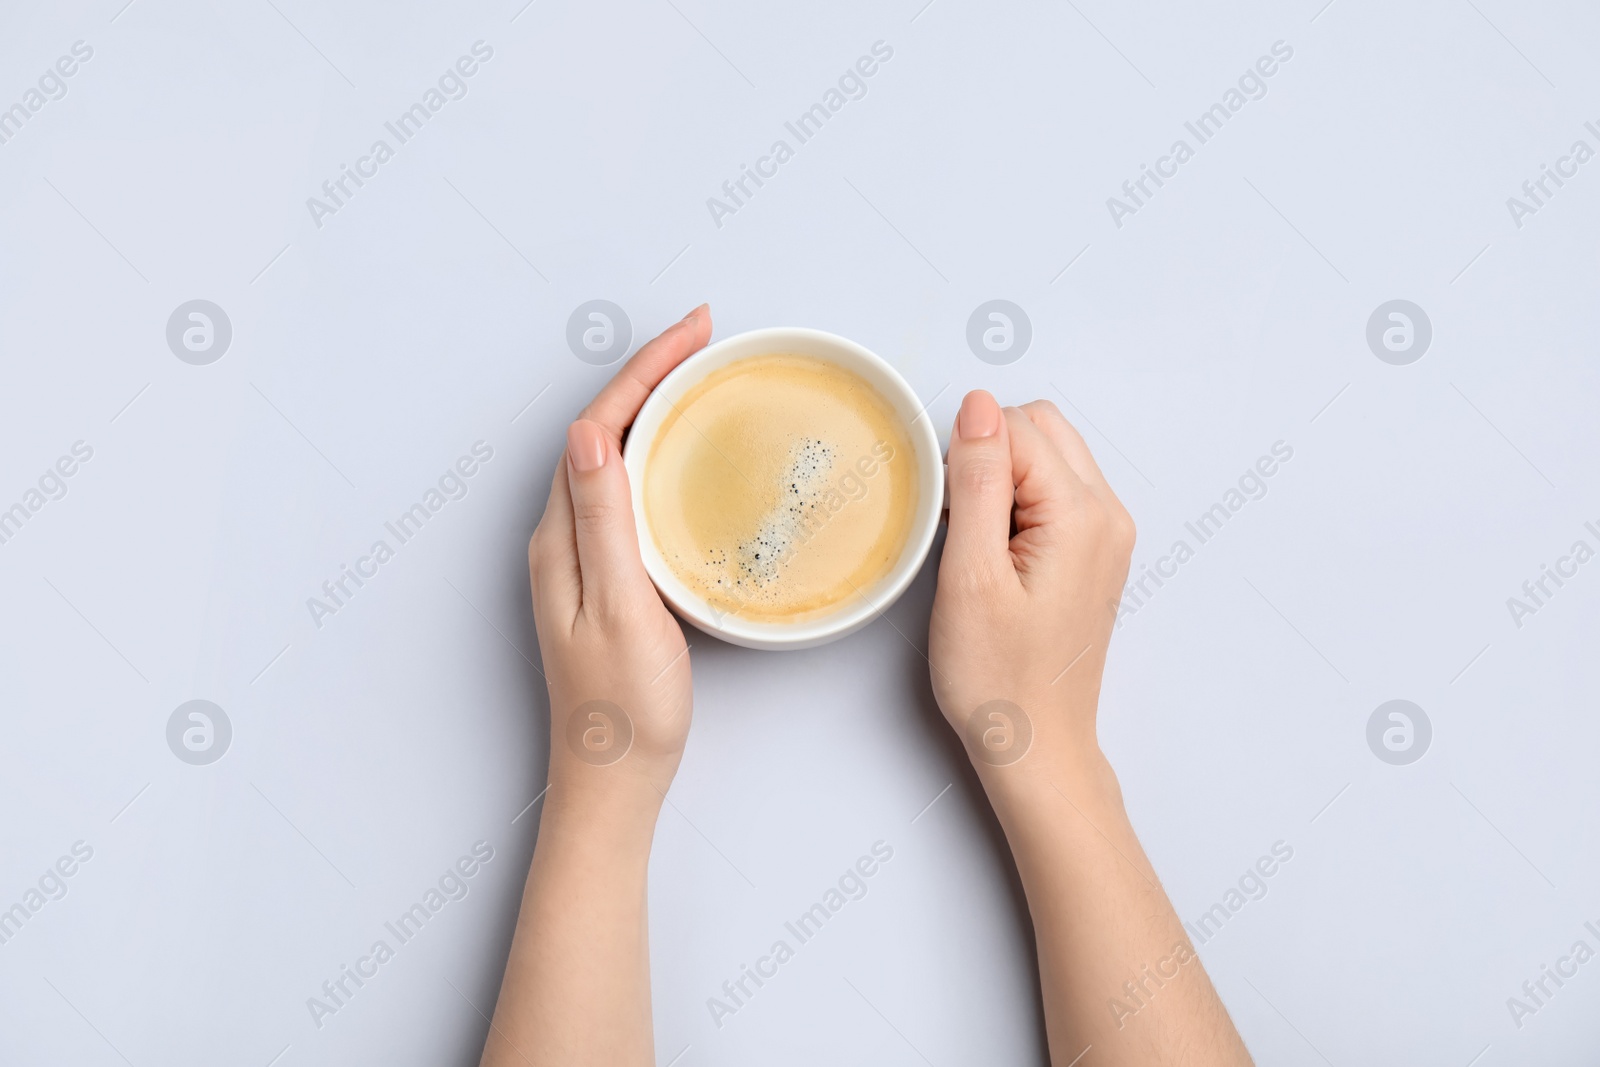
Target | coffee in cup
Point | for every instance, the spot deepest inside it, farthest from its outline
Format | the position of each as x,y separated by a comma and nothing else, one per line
787,486
780,487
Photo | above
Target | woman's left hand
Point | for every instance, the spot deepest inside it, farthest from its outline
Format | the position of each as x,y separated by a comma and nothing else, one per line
614,657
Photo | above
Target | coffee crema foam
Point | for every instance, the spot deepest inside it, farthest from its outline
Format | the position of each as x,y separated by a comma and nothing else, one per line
781,487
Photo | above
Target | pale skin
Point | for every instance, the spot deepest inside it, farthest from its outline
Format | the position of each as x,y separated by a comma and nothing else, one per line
1024,618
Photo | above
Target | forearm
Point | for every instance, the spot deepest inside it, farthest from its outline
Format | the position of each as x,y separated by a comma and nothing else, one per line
576,991
577,984
1116,969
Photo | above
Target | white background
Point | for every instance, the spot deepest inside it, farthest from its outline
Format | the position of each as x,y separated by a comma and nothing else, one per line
368,354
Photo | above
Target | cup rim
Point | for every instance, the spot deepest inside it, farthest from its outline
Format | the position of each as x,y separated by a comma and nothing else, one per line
930,483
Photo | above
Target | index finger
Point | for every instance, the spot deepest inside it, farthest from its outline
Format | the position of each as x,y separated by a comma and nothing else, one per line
1047,417
617,404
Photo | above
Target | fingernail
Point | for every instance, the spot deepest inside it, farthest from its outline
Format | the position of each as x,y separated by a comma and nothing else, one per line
980,416
586,446
692,317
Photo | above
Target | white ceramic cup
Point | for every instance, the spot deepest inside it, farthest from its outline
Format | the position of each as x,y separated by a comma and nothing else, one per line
853,614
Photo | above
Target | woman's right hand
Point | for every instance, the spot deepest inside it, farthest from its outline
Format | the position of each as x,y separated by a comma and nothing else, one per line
1025,619
1017,646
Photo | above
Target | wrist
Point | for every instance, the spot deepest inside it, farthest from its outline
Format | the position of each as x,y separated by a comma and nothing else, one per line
1034,789
613,802
1030,752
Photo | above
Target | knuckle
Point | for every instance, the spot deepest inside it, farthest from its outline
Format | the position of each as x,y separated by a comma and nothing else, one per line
593,514
617,617
1124,531
967,586
977,581
1105,524
982,475
600,612
1045,407
1089,515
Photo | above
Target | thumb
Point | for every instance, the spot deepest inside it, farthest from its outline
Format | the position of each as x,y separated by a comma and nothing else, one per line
611,572
980,485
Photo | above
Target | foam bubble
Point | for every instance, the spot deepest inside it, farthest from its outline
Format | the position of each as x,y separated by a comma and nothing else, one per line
757,563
